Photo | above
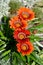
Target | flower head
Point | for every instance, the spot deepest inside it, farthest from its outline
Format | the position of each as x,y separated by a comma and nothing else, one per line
16,23
25,48
21,35
26,13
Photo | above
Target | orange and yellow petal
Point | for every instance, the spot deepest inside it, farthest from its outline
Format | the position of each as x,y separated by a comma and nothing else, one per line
25,48
25,13
21,35
16,23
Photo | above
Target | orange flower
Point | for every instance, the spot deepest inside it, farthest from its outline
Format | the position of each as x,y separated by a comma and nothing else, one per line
25,13
16,23
25,48
21,35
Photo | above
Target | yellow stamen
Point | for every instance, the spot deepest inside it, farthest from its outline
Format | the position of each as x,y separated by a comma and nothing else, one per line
17,24
24,47
21,36
25,15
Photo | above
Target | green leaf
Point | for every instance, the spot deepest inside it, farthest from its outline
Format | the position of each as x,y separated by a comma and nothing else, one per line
32,37
33,63
28,59
17,59
36,58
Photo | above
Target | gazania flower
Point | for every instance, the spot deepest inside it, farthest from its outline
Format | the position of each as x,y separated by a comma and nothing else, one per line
25,13
25,48
16,23
21,35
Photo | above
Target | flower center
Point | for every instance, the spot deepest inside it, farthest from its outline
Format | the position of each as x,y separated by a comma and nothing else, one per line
24,47
18,23
21,36
25,14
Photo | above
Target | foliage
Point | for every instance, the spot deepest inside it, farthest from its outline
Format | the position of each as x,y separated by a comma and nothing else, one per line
7,48
8,52
14,6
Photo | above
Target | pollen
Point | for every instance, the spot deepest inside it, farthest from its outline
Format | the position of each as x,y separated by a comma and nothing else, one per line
17,24
24,47
21,36
25,15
